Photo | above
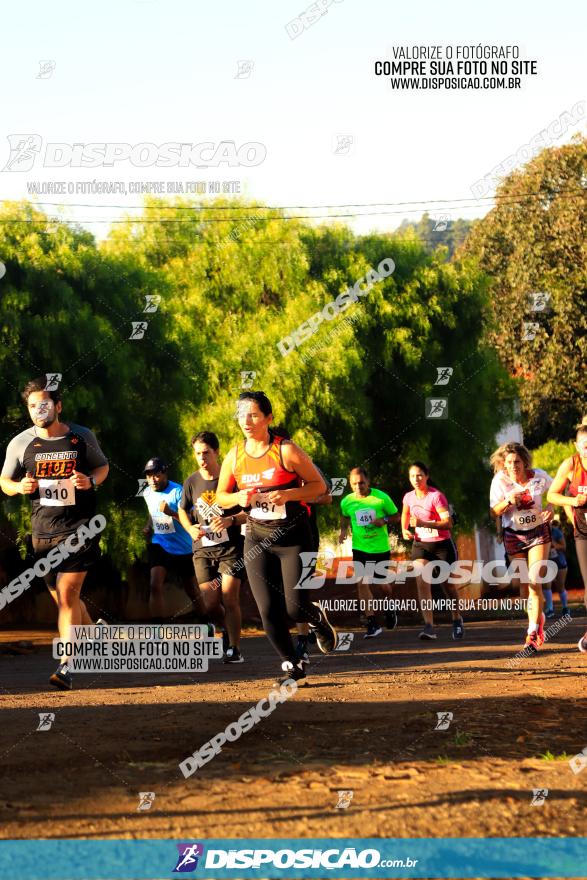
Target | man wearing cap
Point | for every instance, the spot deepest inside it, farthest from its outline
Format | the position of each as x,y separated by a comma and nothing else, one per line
171,546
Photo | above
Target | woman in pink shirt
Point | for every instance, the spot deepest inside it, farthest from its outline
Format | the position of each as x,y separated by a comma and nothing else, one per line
427,521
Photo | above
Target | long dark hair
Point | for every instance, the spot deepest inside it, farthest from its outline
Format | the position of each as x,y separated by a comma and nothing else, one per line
423,467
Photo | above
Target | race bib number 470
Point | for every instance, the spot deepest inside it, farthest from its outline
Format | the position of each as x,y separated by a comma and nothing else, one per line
56,493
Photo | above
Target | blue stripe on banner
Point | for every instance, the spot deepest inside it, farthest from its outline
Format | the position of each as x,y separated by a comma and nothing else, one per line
269,858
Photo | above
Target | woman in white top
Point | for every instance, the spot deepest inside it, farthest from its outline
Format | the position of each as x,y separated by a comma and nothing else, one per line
516,496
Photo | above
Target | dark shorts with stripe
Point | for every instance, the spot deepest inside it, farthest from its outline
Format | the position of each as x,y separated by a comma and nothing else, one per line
517,544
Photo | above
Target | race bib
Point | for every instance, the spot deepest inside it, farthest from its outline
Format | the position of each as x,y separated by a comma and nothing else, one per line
261,508
56,493
212,538
365,516
524,520
163,525
427,533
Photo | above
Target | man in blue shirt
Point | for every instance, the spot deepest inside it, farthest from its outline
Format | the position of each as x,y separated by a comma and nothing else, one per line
171,546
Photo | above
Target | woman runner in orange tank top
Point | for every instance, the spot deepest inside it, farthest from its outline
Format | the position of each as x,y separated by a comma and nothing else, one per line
274,479
569,489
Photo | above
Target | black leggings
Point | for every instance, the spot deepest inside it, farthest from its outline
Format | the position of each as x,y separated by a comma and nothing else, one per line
273,570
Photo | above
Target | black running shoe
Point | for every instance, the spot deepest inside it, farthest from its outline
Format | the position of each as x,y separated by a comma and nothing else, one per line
302,650
373,630
391,618
292,670
61,678
458,629
233,655
326,637
427,633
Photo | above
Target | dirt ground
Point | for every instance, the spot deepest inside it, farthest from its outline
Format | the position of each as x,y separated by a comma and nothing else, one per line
366,725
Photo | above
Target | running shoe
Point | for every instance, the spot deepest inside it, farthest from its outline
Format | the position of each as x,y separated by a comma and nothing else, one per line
582,644
541,623
326,637
292,670
534,641
101,622
302,650
372,630
427,632
233,655
61,678
550,614
391,618
458,629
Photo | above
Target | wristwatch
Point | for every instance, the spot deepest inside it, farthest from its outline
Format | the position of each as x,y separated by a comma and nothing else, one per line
93,481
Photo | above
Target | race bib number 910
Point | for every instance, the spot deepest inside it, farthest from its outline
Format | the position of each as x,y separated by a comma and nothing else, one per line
56,493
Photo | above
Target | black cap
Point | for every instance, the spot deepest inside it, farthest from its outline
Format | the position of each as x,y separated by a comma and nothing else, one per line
154,465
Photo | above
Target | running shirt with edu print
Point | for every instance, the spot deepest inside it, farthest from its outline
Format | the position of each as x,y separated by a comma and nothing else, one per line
265,473
58,507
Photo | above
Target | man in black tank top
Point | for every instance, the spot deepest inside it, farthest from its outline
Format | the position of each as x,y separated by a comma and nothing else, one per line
58,465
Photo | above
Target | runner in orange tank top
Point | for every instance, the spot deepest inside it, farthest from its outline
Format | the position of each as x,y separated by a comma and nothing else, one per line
569,489
275,479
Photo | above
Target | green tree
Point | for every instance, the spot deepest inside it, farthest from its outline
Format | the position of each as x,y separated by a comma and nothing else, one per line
535,242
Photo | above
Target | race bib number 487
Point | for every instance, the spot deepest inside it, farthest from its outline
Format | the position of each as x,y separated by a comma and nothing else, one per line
262,508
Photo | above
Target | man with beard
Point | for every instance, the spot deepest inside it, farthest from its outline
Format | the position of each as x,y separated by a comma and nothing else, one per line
58,465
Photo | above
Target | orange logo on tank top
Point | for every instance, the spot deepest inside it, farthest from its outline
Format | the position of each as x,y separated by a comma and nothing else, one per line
208,496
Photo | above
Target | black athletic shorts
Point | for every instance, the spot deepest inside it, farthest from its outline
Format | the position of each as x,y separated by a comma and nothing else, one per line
435,551
208,568
80,560
179,563
363,556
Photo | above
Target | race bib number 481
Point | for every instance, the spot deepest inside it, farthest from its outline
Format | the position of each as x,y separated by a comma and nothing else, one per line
365,516
56,493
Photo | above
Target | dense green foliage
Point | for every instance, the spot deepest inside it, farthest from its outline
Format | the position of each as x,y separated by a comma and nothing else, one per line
232,284
535,241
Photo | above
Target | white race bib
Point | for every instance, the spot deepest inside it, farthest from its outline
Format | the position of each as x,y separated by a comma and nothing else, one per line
426,533
163,525
261,508
365,516
212,538
524,520
56,493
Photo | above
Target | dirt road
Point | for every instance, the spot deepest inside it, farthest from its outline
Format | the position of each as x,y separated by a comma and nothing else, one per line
366,725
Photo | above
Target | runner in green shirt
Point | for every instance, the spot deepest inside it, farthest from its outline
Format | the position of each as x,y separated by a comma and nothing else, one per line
368,511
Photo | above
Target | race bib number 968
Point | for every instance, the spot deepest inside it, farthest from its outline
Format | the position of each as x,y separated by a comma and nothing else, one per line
524,520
